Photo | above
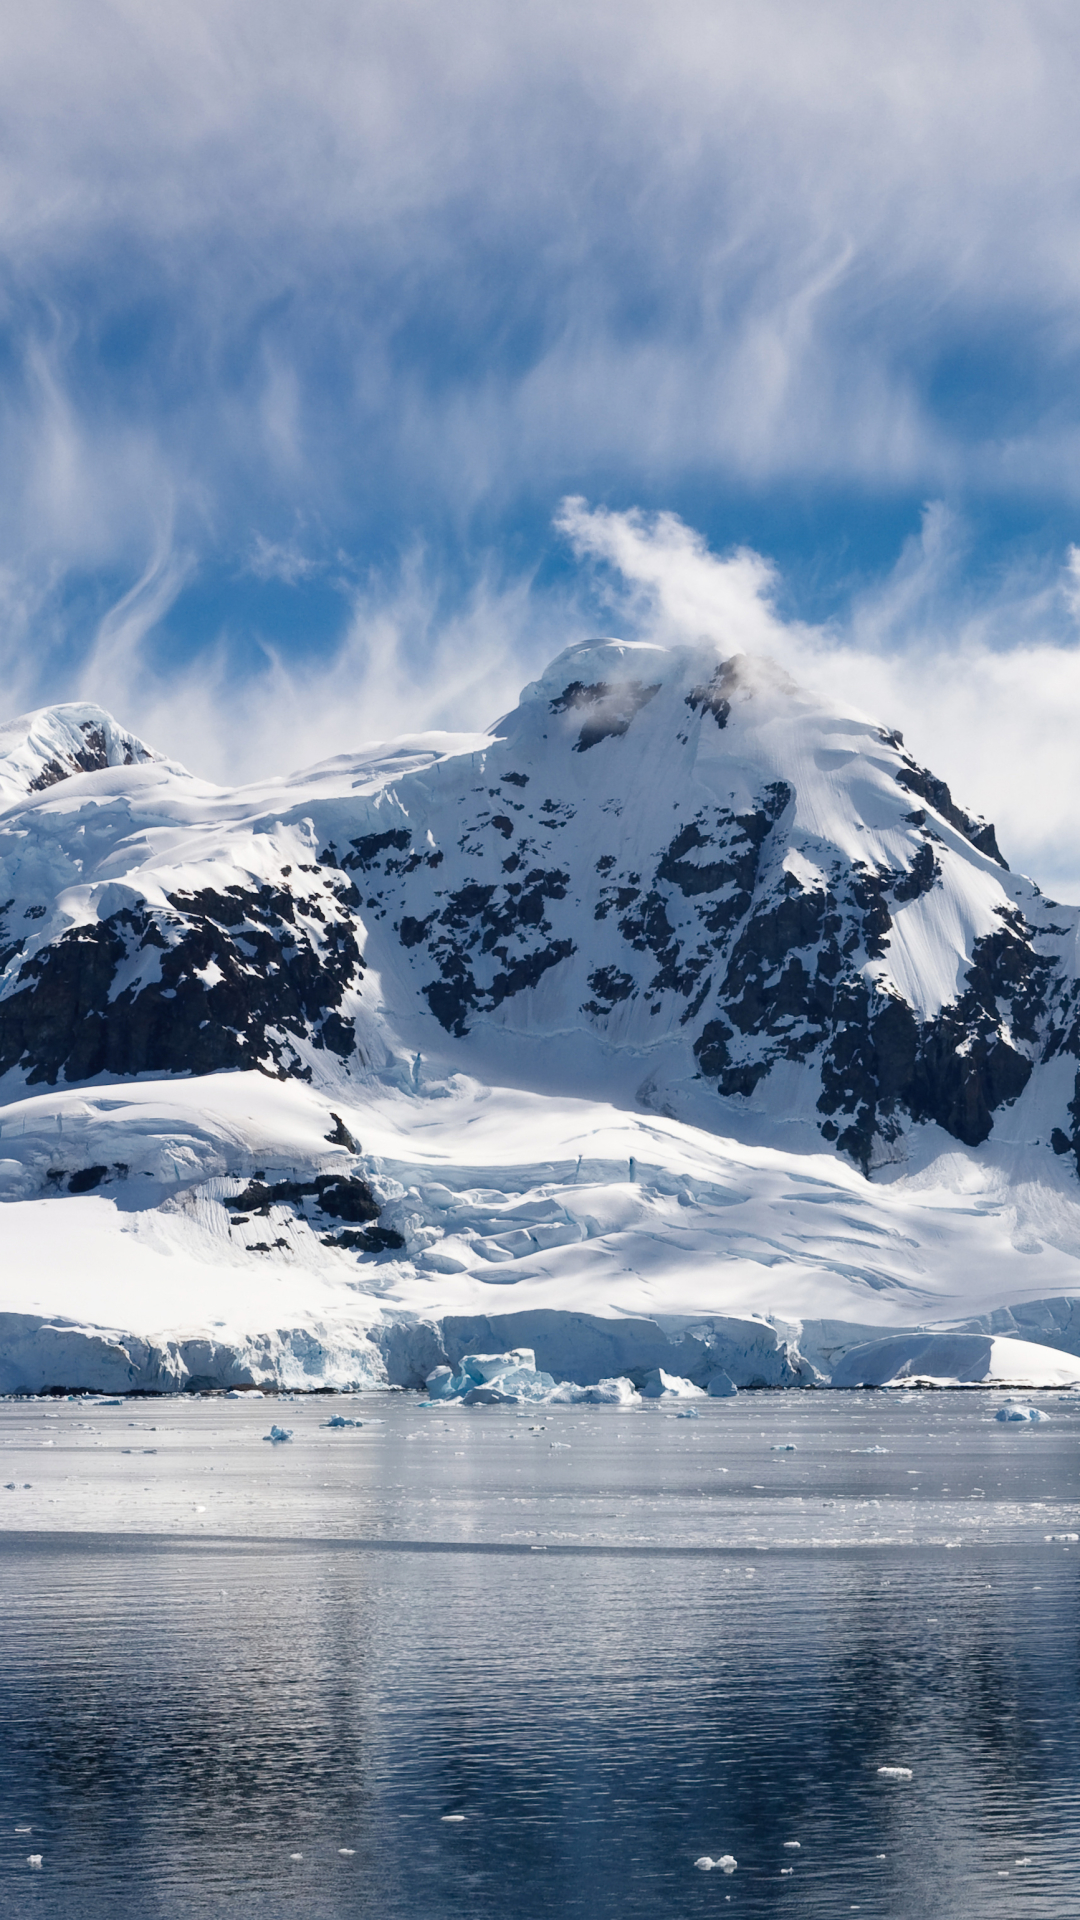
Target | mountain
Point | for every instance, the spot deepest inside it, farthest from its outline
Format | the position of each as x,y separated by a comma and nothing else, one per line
675,1001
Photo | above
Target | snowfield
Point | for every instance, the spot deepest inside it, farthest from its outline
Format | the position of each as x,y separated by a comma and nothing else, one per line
673,1027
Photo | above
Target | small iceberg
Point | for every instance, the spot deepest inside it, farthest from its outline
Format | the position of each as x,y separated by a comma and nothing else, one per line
277,1434
248,1393
721,1387
513,1379
1030,1416
339,1420
895,1773
727,1863
659,1385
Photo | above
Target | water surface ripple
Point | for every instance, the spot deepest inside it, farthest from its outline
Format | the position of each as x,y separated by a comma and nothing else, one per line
455,1662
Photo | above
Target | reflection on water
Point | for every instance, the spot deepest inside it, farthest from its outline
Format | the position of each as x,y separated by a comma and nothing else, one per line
184,1714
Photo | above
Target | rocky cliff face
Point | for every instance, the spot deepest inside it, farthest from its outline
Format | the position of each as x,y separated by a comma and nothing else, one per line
666,876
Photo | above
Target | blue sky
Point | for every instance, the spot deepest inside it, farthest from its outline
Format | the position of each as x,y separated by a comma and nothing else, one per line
310,320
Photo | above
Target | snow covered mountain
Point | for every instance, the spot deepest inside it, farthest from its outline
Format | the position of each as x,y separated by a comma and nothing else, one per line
700,1000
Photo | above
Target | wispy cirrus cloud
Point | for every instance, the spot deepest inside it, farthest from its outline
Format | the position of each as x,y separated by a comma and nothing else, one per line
285,303
986,691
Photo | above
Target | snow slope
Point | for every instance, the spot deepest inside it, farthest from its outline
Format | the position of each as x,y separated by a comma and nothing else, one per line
674,1022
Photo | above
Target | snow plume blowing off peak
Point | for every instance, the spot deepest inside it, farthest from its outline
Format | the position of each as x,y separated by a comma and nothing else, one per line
679,993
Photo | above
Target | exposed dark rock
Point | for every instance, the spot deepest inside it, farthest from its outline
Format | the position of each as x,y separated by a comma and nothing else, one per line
343,1197
239,975
923,873
371,1240
916,779
366,850
87,1179
91,757
711,697
607,710
346,1198
610,986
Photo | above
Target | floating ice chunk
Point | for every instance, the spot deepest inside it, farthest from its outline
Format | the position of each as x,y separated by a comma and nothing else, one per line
690,1414
492,1379
108,1403
705,1864
793,1846
727,1863
721,1387
619,1392
33,1859
788,1447
1033,1416
513,1379
249,1393
895,1773
277,1434
659,1385
1061,1536
347,1852
785,1870
296,1856
339,1420
452,1819
869,1449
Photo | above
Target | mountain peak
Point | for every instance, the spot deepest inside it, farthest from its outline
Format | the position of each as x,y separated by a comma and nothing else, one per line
57,743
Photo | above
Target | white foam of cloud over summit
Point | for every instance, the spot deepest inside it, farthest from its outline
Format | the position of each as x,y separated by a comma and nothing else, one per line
998,721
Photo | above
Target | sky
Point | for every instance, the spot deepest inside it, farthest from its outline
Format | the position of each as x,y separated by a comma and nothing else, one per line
356,358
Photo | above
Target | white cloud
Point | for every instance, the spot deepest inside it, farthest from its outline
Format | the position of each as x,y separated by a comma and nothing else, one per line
430,267
282,560
735,238
998,721
405,663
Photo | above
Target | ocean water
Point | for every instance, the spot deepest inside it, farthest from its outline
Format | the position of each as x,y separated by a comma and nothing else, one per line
463,1662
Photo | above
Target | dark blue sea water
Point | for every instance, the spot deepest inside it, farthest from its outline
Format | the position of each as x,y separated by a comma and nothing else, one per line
612,1643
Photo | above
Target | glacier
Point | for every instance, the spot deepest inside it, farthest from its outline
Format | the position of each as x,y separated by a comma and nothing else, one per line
675,1028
